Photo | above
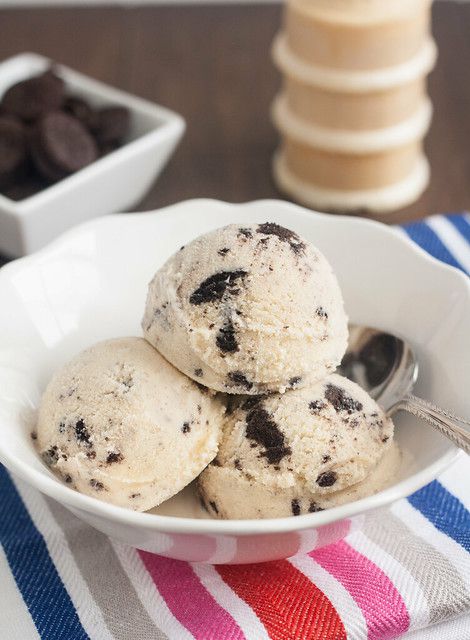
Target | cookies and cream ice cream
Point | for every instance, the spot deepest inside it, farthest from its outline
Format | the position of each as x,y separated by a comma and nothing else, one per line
248,309
119,423
303,451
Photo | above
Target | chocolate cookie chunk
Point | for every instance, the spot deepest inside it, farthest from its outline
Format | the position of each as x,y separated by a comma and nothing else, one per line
13,152
111,125
61,145
31,98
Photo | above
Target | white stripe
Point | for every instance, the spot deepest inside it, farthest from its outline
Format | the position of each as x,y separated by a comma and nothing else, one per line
406,585
452,239
15,621
148,593
457,629
347,608
456,478
242,613
421,526
87,610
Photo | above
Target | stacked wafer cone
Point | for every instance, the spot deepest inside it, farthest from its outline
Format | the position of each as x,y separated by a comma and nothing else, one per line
353,110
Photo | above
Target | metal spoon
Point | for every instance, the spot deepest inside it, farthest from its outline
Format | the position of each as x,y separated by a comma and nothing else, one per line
386,367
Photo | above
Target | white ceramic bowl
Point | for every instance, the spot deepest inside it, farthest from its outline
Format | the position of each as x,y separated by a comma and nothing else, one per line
113,183
91,285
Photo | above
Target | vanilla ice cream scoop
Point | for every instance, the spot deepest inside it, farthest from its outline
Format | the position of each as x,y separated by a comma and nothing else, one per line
299,452
119,423
248,309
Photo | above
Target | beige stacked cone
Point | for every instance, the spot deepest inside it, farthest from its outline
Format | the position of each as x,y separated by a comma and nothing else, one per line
353,110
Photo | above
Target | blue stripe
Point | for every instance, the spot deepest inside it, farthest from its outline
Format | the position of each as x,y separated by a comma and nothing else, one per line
36,576
461,224
445,512
423,235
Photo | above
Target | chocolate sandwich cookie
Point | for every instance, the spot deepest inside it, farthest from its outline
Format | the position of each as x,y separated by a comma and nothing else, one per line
112,125
80,109
61,145
13,152
31,98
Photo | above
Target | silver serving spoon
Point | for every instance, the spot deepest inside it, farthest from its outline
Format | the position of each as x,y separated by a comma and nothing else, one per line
386,367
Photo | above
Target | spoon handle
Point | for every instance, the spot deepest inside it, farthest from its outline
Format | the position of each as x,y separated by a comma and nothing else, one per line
455,428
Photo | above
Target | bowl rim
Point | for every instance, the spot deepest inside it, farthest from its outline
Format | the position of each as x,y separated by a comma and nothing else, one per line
167,124
48,484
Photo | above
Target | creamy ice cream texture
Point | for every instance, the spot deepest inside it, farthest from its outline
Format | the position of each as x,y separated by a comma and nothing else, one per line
119,423
248,309
300,452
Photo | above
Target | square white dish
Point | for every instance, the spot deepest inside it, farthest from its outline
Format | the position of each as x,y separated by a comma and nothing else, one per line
91,284
113,183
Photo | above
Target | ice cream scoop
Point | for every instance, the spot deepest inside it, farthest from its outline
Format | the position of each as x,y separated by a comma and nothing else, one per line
248,308
121,424
299,452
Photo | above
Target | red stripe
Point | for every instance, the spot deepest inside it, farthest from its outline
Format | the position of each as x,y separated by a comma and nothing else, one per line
287,603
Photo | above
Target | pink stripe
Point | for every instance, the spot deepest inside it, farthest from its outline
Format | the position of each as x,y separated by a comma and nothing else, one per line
189,600
384,611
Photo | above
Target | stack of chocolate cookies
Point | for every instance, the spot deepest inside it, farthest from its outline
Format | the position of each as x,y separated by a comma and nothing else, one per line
47,134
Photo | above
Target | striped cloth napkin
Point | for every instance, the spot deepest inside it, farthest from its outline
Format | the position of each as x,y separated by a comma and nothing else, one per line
406,573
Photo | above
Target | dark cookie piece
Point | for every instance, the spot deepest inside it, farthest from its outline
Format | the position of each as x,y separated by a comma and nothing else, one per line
81,110
320,311
340,399
114,456
226,339
13,150
326,458
238,378
97,485
68,478
34,435
264,431
186,427
81,432
223,252
245,233
295,381
134,495
214,287
295,506
31,98
198,373
111,125
237,464
285,235
109,147
51,456
327,479
313,508
61,145
316,406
